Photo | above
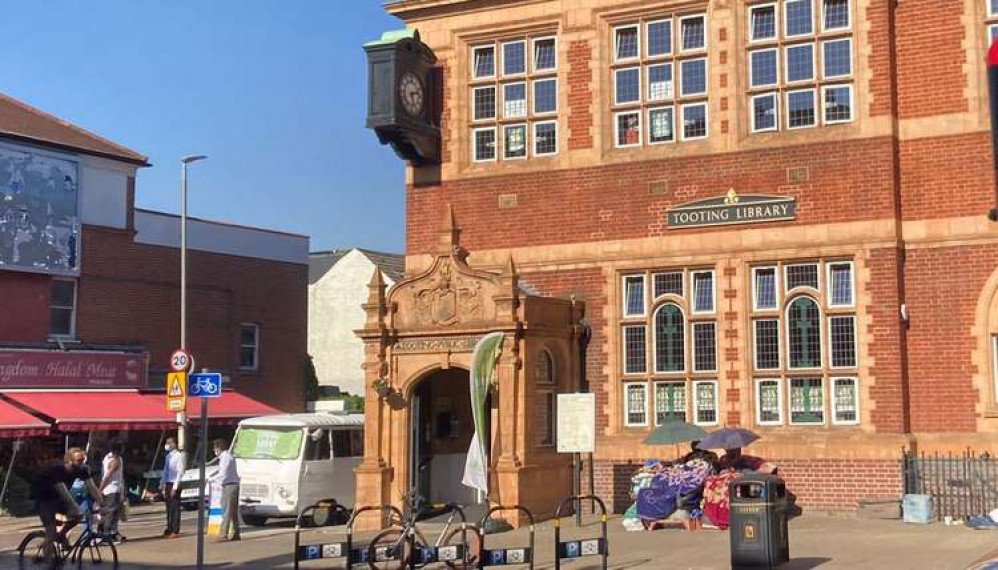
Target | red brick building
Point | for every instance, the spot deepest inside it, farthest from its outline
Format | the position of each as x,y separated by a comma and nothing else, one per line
89,284
775,212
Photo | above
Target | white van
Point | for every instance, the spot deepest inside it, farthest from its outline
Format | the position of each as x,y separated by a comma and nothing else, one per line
290,461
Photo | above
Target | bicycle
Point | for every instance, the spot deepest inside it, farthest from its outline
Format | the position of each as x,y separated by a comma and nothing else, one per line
89,550
392,548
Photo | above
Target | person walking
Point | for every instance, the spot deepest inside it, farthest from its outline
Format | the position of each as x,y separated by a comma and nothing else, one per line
173,470
112,487
228,477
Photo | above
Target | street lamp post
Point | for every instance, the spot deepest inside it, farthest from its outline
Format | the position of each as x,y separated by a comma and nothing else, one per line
182,415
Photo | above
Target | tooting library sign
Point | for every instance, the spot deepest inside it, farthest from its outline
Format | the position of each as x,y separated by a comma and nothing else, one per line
732,209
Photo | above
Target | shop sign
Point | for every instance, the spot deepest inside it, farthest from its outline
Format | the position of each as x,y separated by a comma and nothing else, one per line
73,369
733,209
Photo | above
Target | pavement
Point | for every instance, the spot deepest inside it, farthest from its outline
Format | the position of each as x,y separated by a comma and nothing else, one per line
817,541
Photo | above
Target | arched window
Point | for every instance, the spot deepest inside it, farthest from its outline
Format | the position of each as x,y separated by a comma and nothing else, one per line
804,332
546,370
670,334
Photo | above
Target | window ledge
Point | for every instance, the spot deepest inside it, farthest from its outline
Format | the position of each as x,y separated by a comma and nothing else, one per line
991,412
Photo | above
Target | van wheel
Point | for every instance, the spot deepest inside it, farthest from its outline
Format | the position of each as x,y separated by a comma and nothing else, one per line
255,520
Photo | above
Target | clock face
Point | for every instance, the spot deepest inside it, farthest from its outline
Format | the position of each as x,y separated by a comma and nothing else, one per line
412,94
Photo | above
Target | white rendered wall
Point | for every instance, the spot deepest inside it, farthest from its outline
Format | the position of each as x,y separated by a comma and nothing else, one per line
334,312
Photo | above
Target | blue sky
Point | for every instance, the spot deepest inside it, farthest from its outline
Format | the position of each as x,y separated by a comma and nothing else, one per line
273,92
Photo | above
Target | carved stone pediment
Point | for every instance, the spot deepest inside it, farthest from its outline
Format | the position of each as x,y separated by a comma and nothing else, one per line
449,295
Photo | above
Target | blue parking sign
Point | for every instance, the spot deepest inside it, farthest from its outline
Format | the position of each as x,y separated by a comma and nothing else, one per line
204,385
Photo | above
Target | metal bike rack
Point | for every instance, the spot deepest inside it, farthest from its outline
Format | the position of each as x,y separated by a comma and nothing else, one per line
585,547
421,556
506,556
345,550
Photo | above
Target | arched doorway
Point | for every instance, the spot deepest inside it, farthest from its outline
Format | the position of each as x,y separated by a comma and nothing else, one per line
440,432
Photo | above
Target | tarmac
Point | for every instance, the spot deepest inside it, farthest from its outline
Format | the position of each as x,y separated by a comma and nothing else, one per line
817,540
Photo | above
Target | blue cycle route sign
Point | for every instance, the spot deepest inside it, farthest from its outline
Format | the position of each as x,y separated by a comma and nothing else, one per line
204,385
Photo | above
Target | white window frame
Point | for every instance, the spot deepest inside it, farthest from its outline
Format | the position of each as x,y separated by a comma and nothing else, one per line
660,108
706,33
817,108
637,29
255,346
474,61
786,332
682,121
693,346
533,55
640,85
824,28
644,299
824,401
647,95
533,96
755,344
627,403
533,139
495,103
852,104
526,141
776,284
706,78
751,67
526,100
776,23
786,65
502,50
991,33
855,341
616,128
824,43
693,291
654,395
786,273
786,27
834,407
672,37
758,402
474,145
682,283
717,403
775,96
654,339
623,348
72,315
831,288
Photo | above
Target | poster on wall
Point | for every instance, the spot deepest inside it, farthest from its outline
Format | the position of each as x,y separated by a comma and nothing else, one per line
39,213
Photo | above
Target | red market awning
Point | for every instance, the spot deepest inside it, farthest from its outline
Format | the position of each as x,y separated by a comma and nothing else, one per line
99,410
228,408
15,422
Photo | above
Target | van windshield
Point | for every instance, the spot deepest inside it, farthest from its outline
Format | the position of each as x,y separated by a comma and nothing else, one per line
267,443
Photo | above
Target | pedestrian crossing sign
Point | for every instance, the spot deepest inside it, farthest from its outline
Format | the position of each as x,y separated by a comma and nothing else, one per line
176,391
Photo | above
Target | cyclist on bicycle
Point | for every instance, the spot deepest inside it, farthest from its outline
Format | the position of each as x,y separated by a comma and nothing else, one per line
50,490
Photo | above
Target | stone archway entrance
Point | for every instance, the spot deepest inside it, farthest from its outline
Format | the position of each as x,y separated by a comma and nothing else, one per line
419,338
441,428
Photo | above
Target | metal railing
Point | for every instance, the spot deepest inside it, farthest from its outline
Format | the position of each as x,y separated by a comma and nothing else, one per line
960,484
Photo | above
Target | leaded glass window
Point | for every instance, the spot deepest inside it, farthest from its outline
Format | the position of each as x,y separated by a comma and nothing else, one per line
845,401
704,347
805,275
634,349
670,340
636,412
843,335
670,402
804,331
768,405
807,401
767,344
669,284
705,402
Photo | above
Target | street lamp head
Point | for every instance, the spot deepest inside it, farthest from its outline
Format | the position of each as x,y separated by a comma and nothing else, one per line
193,158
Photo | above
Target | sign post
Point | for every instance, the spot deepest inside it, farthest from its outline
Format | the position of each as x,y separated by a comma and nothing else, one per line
577,435
205,385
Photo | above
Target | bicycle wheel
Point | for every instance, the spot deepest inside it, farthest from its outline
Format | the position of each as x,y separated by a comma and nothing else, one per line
96,553
30,553
380,555
474,546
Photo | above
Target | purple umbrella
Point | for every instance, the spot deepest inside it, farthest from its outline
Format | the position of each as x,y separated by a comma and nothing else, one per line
728,438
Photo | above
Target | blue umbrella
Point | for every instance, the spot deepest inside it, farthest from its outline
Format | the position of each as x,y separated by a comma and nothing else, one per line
728,438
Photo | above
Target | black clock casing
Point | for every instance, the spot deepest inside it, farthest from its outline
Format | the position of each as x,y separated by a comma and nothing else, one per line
413,133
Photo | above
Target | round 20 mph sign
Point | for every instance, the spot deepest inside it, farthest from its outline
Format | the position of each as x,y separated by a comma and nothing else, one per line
180,360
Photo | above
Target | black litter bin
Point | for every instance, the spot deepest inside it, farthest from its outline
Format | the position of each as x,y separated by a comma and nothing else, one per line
758,524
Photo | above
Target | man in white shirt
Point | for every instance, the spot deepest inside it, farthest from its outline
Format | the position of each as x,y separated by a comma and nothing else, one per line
112,486
228,478
173,470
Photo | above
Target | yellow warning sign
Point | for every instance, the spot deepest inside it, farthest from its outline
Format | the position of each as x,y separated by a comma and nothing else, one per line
176,391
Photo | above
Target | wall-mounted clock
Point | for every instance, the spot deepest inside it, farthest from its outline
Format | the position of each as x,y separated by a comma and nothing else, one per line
412,93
